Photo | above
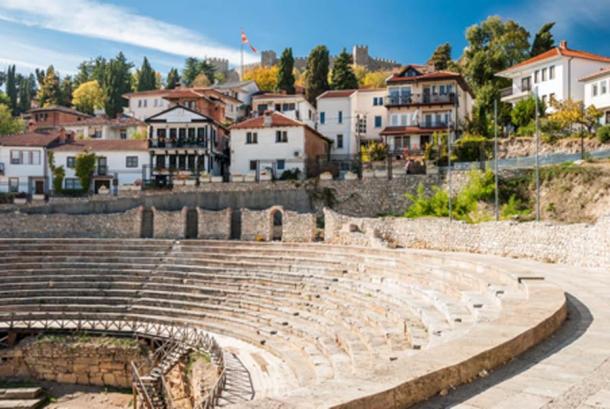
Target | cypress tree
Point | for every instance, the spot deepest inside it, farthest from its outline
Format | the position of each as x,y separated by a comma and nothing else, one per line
285,76
343,76
66,91
441,57
146,77
173,79
11,89
544,40
27,89
316,76
117,81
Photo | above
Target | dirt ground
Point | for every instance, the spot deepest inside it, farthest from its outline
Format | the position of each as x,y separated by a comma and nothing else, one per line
89,397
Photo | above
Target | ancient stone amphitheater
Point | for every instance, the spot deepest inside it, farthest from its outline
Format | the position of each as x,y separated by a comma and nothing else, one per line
288,325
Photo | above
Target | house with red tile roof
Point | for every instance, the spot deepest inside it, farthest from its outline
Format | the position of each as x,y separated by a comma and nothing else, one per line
101,127
53,117
421,101
554,74
597,92
272,143
351,118
294,106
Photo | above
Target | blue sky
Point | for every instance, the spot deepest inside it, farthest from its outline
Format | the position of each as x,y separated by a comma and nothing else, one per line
35,33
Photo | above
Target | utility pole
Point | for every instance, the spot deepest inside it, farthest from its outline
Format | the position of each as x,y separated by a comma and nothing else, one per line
449,166
537,157
496,158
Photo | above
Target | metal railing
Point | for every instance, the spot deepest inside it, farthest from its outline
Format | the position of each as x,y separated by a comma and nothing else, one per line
189,143
421,99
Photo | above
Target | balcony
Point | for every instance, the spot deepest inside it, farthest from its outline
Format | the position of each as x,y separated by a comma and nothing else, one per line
513,94
419,99
169,144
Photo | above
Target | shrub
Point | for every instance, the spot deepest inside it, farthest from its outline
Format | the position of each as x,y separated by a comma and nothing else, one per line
524,112
471,148
375,151
603,134
84,168
291,174
58,178
436,151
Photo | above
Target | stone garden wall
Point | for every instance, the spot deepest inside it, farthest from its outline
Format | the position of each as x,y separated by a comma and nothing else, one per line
214,225
19,225
169,225
74,360
575,244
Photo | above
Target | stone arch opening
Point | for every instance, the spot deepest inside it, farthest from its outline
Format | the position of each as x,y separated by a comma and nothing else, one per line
277,224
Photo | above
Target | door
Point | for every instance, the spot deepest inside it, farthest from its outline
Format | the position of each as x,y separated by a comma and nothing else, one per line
426,95
39,187
192,221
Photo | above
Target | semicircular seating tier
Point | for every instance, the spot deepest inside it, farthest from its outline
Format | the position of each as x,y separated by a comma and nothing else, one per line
314,325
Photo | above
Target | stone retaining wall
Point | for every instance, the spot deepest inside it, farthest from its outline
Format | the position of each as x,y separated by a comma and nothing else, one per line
575,244
169,225
99,361
299,227
19,225
214,225
296,227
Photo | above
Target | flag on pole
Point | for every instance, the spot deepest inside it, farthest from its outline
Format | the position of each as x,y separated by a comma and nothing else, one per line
244,40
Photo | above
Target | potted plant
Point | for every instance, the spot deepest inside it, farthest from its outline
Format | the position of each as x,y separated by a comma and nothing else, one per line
20,198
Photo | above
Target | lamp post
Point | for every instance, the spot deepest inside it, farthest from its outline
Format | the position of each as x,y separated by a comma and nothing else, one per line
497,198
537,156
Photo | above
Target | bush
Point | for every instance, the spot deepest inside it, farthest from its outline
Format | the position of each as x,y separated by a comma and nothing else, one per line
603,134
291,174
84,168
471,148
524,112
375,151
58,178
436,151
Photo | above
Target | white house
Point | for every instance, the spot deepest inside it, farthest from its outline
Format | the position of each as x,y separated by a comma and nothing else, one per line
106,128
241,90
294,106
422,101
554,74
144,104
597,92
24,162
352,118
119,163
273,143
185,143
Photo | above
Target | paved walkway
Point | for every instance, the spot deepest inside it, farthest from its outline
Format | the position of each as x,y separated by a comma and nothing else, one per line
569,370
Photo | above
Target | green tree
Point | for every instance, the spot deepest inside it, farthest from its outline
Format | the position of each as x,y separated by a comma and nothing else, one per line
2,78
66,91
11,89
342,76
193,67
285,76
441,57
543,41
173,79
316,74
117,81
84,167
524,111
49,93
89,70
88,97
27,90
146,77
8,124
208,69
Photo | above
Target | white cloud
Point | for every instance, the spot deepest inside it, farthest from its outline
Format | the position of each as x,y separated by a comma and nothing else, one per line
28,57
109,22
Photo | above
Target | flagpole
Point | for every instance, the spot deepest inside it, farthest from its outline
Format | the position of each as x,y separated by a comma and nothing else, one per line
242,61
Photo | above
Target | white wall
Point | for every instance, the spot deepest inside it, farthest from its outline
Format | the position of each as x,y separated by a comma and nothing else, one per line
364,106
143,107
107,131
306,112
23,171
267,150
331,126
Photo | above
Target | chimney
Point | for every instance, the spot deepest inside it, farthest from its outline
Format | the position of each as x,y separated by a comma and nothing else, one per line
563,44
267,119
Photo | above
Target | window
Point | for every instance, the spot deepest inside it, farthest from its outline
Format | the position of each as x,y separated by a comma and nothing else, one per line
252,165
181,133
443,90
378,123
377,101
594,90
403,120
131,161
339,141
603,87
251,138
281,164
145,103
13,184
552,72
543,74
402,142
139,103
536,76
191,134
281,136
526,84
35,158
262,108
97,134
161,133
394,119
70,162
322,117
288,107
123,133
15,157
340,117
278,107
449,89
72,184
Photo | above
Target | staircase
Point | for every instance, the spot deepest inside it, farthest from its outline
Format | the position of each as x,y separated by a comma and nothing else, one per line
21,398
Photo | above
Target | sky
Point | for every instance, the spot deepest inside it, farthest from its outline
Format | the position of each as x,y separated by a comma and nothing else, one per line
36,33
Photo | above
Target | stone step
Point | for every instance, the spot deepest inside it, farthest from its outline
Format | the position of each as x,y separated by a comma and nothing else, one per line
20,393
21,403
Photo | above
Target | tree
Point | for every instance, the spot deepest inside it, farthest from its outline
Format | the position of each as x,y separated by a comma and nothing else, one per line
316,73
11,89
201,80
441,57
146,77
208,69
49,93
543,41
27,90
569,113
342,76
117,81
91,70
88,97
66,91
8,124
173,79
84,167
524,111
375,79
285,76
265,77
193,67
2,78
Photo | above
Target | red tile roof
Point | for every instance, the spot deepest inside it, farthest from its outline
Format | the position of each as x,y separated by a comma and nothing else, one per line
60,109
103,145
274,95
600,73
406,130
562,50
113,122
277,119
337,93
30,139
